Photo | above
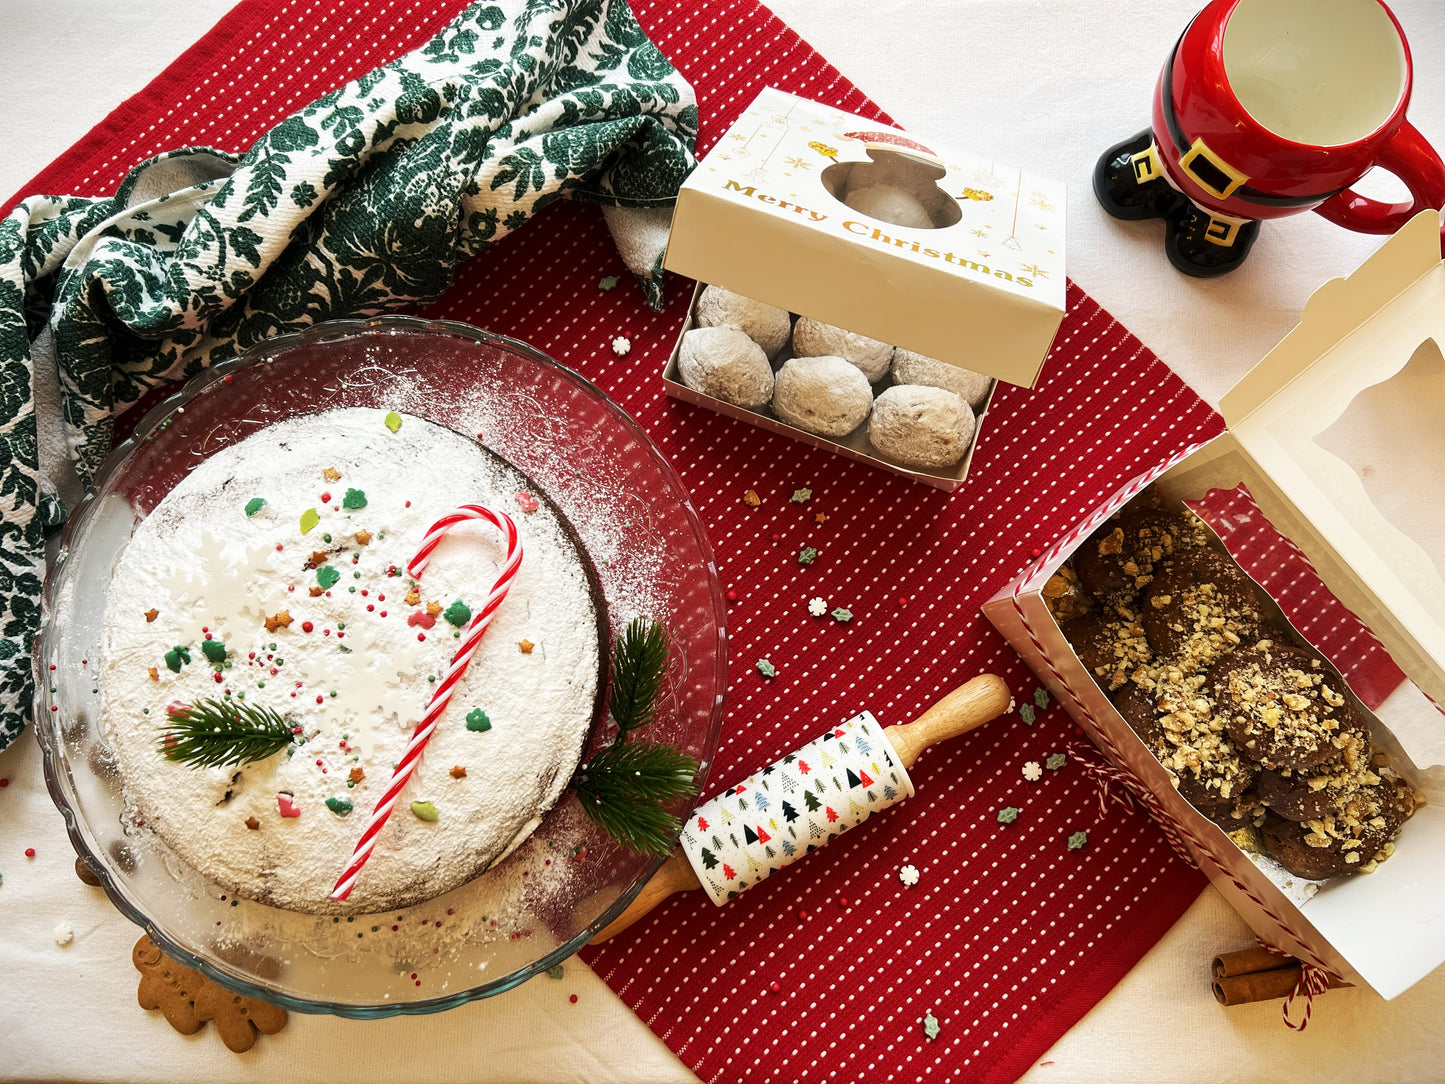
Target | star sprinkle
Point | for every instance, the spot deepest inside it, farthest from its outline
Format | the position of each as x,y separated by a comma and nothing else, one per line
817,606
331,474
930,1026
278,621
1032,771
525,646
908,875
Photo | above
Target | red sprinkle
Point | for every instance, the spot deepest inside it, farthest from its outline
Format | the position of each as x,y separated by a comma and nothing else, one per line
54,707
325,632
320,700
775,986
307,626
29,852
227,379
219,679
383,613
732,596
421,636
279,547
326,498
382,598
573,999
1038,552
4,782
52,666
369,607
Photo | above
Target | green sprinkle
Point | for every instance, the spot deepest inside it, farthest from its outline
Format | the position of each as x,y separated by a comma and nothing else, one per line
340,806
333,694
556,971
807,555
392,420
1041,698
458,613
842,616
1008,814
766,668
177,657
1026,713
254,505
1077,840
607,283
477,720
354,499
355,576
327,576
326,538
801,496
930,1026
1056,761
214,650
309,519
425,811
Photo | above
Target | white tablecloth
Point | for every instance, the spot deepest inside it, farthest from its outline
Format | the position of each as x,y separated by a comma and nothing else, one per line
1041,84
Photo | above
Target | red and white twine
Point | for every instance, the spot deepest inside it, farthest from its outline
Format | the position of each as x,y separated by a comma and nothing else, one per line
449,678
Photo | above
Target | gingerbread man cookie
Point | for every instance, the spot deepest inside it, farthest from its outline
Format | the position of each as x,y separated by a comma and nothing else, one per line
188,1000
238,1018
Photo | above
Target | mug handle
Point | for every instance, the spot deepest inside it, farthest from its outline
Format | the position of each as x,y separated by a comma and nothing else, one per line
1415,162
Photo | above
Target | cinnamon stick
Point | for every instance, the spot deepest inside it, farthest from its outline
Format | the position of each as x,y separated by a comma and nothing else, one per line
1247,961
1255,986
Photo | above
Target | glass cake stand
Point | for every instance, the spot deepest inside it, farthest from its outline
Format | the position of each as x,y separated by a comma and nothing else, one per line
547,898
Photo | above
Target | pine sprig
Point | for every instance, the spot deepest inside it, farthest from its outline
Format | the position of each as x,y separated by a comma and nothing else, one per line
626,788
220,733
639,659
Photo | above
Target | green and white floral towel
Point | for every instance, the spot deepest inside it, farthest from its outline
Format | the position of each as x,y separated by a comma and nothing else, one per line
364,202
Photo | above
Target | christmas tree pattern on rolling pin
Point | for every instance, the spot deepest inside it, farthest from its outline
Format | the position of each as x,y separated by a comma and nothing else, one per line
793,807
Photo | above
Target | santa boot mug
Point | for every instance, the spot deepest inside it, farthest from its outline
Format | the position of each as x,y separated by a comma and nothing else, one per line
1267,108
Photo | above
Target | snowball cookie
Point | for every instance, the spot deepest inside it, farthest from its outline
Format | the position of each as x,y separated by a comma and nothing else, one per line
920,426
767,325
815,339
824,395
889,203
911,368
726,364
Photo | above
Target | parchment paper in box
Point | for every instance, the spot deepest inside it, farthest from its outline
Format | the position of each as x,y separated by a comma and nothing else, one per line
1385,930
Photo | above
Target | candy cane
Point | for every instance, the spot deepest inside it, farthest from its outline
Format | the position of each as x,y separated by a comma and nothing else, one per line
443,694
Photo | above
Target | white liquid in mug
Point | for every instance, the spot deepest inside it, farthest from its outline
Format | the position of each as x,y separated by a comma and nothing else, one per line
1320,72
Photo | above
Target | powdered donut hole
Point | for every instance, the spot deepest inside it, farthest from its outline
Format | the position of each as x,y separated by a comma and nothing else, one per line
824,395
767,325
913,368
815,339
889,203
726,364
920,426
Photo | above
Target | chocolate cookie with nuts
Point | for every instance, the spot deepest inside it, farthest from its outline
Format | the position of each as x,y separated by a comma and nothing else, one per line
1310,792
1283,706
1110,646
1123,555
1199,608
1349,837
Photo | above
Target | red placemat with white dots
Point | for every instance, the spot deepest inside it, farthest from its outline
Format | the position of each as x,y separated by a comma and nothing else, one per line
827,971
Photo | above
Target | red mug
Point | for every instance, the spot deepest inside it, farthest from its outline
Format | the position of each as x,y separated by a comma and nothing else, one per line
1267,108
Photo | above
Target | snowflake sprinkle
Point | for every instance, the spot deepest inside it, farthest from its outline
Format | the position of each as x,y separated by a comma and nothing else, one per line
1032,771
908,875
817,606
622,346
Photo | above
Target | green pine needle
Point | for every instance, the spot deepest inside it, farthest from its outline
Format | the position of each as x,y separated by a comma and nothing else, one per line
639,660
626,789
220,733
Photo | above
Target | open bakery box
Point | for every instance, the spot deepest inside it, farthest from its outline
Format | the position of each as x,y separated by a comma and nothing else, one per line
1269,472
765,215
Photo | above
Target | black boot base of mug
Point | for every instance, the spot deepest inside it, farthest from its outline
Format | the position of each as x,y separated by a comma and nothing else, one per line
1120,193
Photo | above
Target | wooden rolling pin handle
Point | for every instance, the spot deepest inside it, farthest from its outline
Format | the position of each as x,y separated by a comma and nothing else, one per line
970,705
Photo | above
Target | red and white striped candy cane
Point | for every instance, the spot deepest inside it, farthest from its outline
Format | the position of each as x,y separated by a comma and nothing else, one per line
443,694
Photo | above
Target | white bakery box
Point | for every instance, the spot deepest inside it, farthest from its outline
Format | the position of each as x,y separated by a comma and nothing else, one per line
763,216
1386,929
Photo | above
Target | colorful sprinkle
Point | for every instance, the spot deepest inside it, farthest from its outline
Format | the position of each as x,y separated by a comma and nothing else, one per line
363,538
801,496
458,613
525,646
1056,761
817,606
930,1026
458,772
478,721
1077,840
151,615
326,576
340,806
1008,814
908,875
1032,771
607,283
254,505
766,668
842,616
425,811
309,519
252,823
751,498
526,502
177,657
286,802
1041,698
1026,713
622,346
392,420
354,499
807,555
331,474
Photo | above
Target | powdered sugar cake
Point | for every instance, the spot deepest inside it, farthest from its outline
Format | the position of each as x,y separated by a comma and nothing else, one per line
318,621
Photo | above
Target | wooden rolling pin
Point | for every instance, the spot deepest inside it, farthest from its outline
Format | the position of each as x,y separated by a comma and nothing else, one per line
798,803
